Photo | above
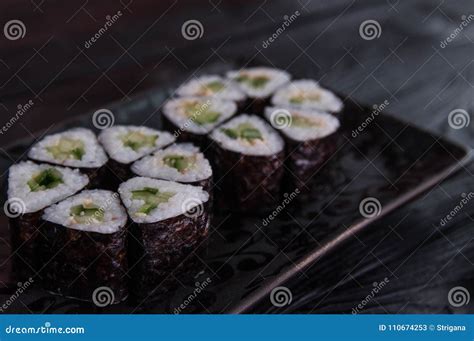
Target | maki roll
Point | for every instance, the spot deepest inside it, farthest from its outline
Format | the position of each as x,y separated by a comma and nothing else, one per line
75,148
311,139
182,162
84,248
259,84
170,221
190,119
307,94
126,144
31,188
212,86
248,159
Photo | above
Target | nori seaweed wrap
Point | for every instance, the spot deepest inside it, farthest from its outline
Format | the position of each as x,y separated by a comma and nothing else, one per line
311,139
248,158
259,84
84,246
181,162
170,222
190,119
31,188
306,94
75,148
126,144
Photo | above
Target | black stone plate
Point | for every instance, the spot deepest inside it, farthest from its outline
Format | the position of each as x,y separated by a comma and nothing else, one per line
390,160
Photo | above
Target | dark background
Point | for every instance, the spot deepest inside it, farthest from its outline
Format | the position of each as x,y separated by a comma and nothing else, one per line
406,66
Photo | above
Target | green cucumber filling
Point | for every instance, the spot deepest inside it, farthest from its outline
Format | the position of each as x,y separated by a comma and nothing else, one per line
255,82
152,197
180,162
67,148
87,213
137,140
302,122
305,97
200,113
47,179
244,131
214,86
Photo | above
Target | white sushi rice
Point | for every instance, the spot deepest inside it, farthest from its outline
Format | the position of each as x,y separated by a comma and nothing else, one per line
111,139
185,198
174,110
327,101
18,188
277,78
114,214
94,156
197,87
271,143
154,166
324,124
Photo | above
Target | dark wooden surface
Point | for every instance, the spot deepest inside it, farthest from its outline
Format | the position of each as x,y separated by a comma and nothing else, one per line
406,66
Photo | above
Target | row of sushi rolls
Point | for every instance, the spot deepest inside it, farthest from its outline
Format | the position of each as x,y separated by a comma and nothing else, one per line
127,209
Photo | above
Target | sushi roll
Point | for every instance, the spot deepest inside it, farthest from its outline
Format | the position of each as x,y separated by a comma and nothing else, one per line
212,86
75,148
311,139
182,162
126,144
248,159
190,119
307,94
84,246
31,188
259,84
169,222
